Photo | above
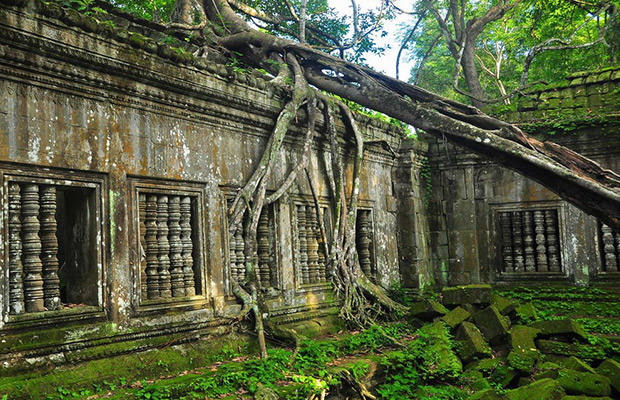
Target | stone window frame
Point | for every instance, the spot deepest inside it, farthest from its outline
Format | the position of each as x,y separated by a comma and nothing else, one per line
92,181
496,255
141,184
229,194
601,273
327,217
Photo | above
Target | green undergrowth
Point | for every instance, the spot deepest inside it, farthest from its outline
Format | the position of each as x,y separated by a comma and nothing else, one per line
596,309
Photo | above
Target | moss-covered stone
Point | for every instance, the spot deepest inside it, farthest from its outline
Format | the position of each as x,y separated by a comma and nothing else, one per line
487,394
523,352
563,328
579,350
576,364
527,313
440,361
503,376
455,317
470,294
472,344
427,310
504,305
575,382
492,324
611,369
545,389
585,398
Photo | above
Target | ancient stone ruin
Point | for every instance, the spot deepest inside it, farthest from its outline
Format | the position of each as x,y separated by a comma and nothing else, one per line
119,156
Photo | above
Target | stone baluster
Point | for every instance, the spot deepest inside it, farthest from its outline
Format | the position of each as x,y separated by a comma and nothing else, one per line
264,261
541,241
319,238
553,242
152,248
240,248
528,242
49,248
617,236
313,245
517,241
177,282
233,256
609,250
506,229
16,284
303,244
163,255
188,246
31,249
363,243
142,227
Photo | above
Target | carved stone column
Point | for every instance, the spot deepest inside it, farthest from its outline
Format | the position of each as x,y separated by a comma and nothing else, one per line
319,238
553,248
240,248
303,244
363,243
313,244
506,229
142,227
16,284
49,248
609,250
163,256
517,241
528,242
152,248
264,261
541,241
176,247
31,242
188,246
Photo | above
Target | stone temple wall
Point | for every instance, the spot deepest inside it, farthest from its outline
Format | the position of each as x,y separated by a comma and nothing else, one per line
118,157
490,224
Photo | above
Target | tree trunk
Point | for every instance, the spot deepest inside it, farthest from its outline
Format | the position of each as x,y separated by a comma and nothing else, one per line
470,73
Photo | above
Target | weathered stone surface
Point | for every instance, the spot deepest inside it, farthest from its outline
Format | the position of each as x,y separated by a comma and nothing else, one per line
523,352
503,375
472,344
488,394
611,369
575,382
265,393
527,313
576,364
470,294
492,324
562,328
585,398
455,317
440,362
427,310
579,350
545,389
503,305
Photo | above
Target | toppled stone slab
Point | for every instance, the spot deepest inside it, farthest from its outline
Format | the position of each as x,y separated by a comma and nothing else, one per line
575,382
455,317
585,398
544,389
561,328
523,352
470,294
576,364
427,310
472,344
492,324
488,394
503,376
579,350
439,361
527,313
503,305
611,369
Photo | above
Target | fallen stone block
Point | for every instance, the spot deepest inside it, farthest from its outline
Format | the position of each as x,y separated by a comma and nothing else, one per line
576,364
488,394
579,350
611,369
545,389
503,376
561,329
527,313
575,382
427,310
523,352
486,366
455,317
492,324
585,398
503,305
470,294
439,360
472,344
